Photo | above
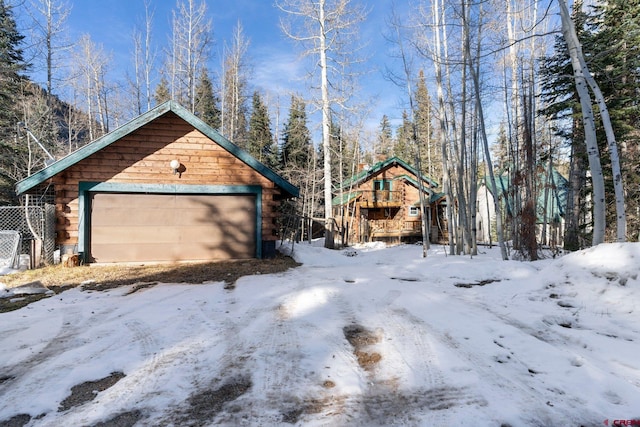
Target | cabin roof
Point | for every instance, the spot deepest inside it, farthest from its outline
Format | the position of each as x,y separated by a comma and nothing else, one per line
558,184
82,153
368,173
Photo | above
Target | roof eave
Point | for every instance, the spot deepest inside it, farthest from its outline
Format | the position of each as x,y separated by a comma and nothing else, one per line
48,172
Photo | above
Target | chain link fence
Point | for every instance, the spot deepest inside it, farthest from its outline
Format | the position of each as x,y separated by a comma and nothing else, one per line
10,242
36,225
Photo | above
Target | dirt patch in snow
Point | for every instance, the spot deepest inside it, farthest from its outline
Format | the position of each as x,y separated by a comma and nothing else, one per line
124,419
361,338
88,391
58,278
203,406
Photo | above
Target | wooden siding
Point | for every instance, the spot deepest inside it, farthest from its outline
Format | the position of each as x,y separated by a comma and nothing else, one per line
385,219
143,157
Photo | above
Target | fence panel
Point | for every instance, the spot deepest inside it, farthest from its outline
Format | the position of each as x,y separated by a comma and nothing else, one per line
10,242
34,223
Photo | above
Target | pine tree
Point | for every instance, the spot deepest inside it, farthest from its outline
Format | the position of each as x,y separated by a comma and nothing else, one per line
14,160
430,153
615,60
162,91
296,141
385,138
260,135
206,103
610,36
561,105
403,148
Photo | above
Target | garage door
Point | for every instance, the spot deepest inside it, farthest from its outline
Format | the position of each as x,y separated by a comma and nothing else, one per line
170,227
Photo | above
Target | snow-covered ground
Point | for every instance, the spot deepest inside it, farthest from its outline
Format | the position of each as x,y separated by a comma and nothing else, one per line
363,336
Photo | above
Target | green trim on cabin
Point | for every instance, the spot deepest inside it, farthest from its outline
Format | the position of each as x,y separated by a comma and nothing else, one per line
413,181
85,189
168,106
379,184
366,174
345,198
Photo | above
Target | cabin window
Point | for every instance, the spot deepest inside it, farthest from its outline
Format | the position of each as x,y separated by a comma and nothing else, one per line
414,211
382,190
382,185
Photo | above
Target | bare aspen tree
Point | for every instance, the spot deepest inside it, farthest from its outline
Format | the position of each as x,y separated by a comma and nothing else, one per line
588,119
50,17
434,20
235,78
407,78
144,57
577,60
485,140
89,80
325,27
136,82
191,38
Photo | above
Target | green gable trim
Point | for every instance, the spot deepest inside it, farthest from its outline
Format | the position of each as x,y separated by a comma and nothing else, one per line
168,106
557,196
345,198
413,182
378,167
86,188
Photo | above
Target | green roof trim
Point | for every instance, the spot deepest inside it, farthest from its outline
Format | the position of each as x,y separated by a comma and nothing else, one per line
557,196
345,198
365,174
414,182
169,106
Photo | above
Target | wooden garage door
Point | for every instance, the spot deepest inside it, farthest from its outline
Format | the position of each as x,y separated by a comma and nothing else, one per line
169,227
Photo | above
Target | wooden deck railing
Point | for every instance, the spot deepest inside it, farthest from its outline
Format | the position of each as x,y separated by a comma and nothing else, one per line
391,226
381,197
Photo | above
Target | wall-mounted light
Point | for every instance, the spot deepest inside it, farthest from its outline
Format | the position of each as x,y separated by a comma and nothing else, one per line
175,165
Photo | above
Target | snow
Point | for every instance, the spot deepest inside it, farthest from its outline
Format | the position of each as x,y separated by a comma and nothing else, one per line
460,342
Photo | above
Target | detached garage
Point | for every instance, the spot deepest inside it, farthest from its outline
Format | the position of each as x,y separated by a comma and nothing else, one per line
164,187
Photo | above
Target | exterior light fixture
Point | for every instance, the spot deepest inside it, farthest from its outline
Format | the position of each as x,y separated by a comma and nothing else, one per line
175,165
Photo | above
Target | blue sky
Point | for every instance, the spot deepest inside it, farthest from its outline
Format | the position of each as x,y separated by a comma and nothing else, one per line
277,68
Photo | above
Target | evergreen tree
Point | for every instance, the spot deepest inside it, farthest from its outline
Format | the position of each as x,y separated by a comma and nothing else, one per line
615,60
562,106
162,93
430,153
296,140
206,103
403,148
500,150
385,138
260,135
14,159
610,36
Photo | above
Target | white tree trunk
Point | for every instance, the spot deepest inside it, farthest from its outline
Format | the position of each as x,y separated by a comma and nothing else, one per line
485,140
326,127
588,120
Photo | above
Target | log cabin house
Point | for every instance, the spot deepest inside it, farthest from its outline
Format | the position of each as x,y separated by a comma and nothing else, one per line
163,187
382,203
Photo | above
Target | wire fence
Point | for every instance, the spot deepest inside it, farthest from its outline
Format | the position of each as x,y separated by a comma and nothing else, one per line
36,226
10,242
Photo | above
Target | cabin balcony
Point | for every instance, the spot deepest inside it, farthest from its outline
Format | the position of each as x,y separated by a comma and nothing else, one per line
381,199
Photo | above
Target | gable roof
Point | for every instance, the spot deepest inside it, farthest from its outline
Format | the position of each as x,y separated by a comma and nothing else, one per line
556,182
140,121
366,174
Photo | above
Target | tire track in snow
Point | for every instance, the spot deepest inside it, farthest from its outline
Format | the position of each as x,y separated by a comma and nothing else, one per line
72,324
408,337
147,376
542,411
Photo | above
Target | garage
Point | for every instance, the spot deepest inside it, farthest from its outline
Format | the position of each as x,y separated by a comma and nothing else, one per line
163,187
135,227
